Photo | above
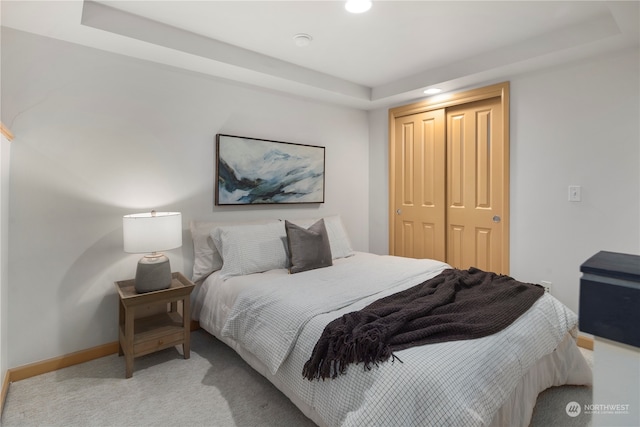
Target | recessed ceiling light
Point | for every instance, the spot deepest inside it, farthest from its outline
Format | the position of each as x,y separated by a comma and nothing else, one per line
432,91
302,39
358,6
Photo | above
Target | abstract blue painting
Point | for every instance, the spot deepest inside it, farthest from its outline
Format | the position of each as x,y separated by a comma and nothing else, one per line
258,171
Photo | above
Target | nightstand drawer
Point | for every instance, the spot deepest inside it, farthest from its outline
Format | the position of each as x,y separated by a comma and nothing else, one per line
166,341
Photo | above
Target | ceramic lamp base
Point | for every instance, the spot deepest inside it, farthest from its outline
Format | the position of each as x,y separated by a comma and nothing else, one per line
153,274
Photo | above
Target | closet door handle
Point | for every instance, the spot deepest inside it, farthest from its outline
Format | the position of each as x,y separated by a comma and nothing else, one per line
398,211
496,218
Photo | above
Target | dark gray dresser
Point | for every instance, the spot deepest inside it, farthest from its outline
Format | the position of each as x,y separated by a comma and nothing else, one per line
610,297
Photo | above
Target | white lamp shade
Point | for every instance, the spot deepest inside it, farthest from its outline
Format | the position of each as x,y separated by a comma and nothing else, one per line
152,232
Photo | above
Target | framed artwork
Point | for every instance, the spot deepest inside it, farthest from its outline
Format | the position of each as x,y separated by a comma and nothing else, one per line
251,171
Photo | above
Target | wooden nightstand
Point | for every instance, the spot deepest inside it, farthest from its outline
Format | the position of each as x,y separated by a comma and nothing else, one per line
144,335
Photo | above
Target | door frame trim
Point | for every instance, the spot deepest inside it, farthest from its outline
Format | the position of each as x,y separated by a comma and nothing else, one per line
437,102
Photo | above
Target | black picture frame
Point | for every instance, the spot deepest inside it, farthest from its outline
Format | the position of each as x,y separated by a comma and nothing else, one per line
253,171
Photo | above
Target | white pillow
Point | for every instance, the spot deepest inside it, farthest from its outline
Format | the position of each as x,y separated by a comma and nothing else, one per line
338,238
248,249
207,259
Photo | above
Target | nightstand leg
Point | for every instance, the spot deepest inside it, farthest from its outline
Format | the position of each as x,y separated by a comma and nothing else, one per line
129,366
128,350
120,326
186,324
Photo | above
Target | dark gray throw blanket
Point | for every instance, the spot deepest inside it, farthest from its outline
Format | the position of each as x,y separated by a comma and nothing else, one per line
455,305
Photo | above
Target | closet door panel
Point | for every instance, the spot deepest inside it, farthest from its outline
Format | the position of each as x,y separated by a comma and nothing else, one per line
483,160
407,166
456,160
475,164
483,249
419,217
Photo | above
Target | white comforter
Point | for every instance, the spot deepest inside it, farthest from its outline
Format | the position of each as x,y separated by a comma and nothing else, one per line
279,317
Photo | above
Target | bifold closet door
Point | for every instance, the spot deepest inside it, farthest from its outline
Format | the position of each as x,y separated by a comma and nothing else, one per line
419,186
475,176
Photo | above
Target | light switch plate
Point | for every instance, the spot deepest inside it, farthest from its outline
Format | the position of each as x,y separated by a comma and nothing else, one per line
575,193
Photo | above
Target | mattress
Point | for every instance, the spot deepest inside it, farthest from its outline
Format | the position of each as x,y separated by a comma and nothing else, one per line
273,320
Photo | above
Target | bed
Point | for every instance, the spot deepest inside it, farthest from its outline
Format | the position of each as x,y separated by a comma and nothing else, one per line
246,297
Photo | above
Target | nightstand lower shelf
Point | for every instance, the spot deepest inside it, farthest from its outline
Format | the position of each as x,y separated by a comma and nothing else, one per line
156,333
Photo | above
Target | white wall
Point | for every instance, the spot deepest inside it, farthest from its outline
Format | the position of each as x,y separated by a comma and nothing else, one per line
572,125
5,153
379,181
99,136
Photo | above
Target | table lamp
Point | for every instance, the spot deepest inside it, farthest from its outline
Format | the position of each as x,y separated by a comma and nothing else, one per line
151,233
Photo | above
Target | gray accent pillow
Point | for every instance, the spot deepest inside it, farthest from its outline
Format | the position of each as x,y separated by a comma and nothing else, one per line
309,248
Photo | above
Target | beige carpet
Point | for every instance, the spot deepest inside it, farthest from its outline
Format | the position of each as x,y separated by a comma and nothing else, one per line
215,387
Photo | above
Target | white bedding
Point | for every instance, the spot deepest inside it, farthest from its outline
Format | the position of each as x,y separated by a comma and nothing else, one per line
274,319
